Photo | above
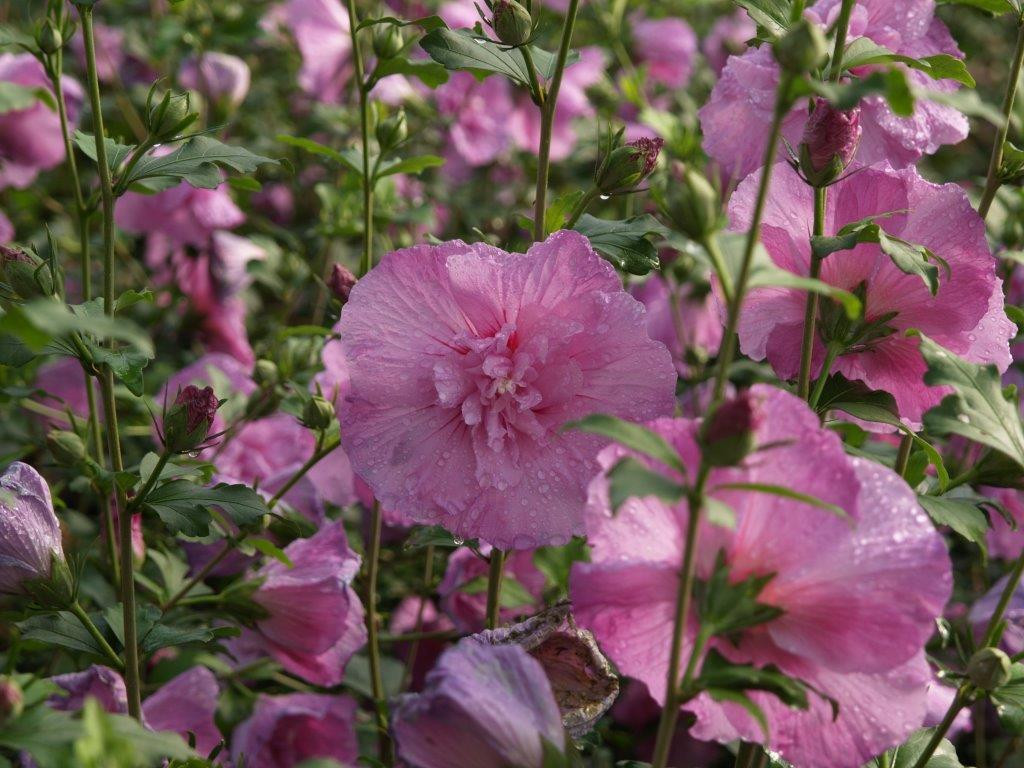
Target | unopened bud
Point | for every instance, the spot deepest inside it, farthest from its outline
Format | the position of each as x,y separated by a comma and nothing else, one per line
11,700
318,413
187,422
169,116
989,668
626,166
694,205
66,447
265,373
26,273
829,143
341,282
387,41
392,131
512,22
802,48
727,436
49,39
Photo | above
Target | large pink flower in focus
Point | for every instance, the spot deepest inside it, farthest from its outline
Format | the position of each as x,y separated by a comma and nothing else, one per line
31,139
858,595
315,619
965,316
285,731
736,118
467,361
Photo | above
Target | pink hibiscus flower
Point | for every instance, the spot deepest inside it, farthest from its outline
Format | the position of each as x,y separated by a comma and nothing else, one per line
736,119
858,595
467,361
285,731
966,315
466,605
679,319
666,47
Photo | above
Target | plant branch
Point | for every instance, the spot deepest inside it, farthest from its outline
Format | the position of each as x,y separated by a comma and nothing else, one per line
992,182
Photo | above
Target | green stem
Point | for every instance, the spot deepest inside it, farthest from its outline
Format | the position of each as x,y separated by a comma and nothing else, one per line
323,449
198,578
811,308
832,351
992,182
438,634
842,26
536,92
963,478
428,579
961,700
796,11
684,597
151,481
995,628
547,120
92,629
728,349
714,251
980,742
366,262
495,575
581,207
903,457
132,682
749,755
385,749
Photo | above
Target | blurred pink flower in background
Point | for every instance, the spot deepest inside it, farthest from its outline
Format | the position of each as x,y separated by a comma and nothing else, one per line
481,113
1003,540
63,381
220,77
981,613
736,119
483,706
728,37
284,731
6,229
466,363
858,595
182,215
30,138
463,590
666,48
679,319
110,54
315,620
417,614
321,31
966,315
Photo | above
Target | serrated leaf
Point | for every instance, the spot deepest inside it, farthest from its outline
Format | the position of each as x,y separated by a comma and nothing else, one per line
865,52
977,409
462,49
166,636
907,754
198,162
559,209
963,515
632,436
630,479
117,152
430,73
61,629
184,506
991,6
719,673
771,15
131,297
37,323
624,242
126,364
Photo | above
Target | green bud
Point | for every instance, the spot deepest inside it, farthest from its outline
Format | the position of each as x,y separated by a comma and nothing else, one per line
318,413
26,273
66,447
11,700
265,374
512,23
49,39
625,167
392,131
989,668
802,48
695,206
169,116
387,41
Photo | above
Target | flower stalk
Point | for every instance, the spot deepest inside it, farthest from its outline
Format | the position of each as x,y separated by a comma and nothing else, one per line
366,262
495,575
992,182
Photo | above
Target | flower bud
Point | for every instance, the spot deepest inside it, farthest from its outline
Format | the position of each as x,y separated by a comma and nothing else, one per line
387,41
11,700
727,435
318,413
829,142
341,282
626,166
694,205
989,668
169,116
26,273
66,447
188,421
802,48
512,22
265,373
49,39
392,131
30,537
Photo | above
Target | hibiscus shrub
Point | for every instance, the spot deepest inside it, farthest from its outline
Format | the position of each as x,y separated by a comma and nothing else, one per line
511,384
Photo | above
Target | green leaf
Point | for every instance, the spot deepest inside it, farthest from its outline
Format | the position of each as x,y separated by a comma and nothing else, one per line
963,515
14,97
14,352
726,607
556,562
907,754
433,536
44,733
513,593
61,629
267,548
786,493
165,636
991,6
632,436
892,84
351,161
108,740
909,258
856,399
411,165
558,211
126,365
631,479
624,242
772,15
462,49
426,23
743,700
864,52
184,506
719,673
131,297
39,322
430,73
977,409
117,152
198,162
